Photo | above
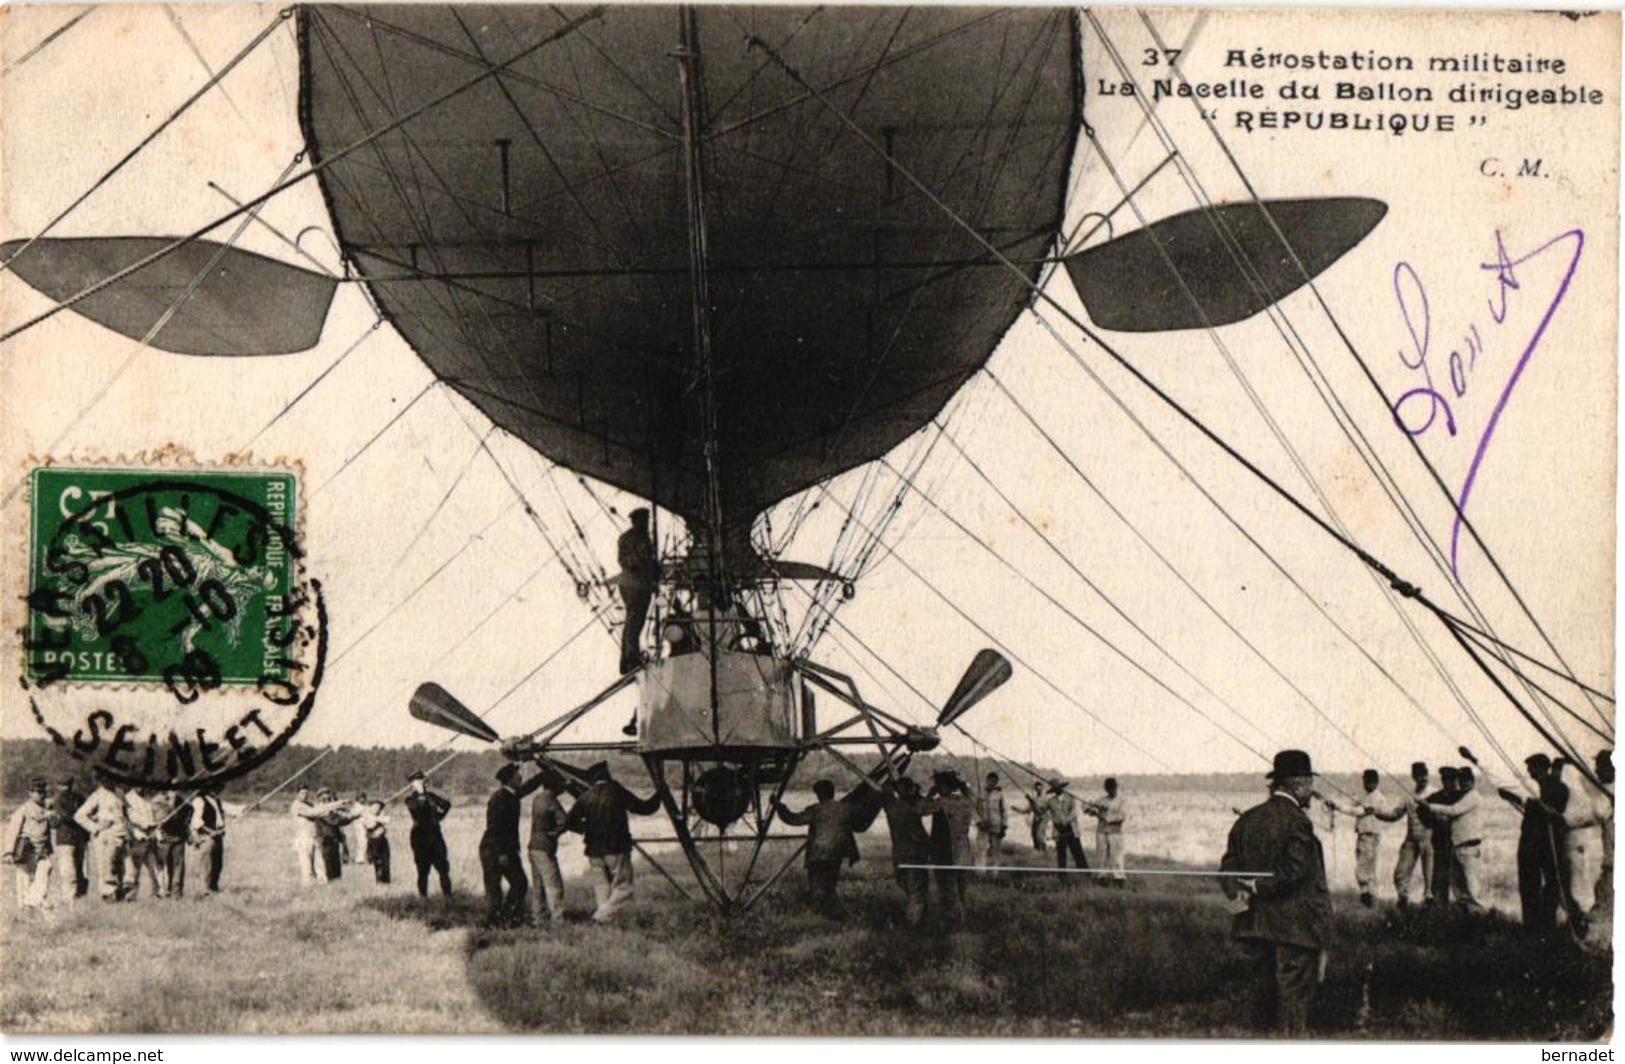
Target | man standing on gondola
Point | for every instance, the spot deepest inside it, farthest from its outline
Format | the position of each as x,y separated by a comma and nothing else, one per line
640,577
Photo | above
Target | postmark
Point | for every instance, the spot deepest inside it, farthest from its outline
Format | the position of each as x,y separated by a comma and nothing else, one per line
172,635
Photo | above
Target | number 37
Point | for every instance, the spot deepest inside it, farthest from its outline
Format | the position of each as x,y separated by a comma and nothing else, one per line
1154,56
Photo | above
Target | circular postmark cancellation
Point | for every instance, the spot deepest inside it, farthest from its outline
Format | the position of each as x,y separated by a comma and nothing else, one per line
173,637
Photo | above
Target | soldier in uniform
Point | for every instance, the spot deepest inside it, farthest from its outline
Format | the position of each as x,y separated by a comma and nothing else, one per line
29,844
208,834
910,845
952,810
832,827
71,840
1370,812
1110,812
105,816
640,576
375,828
1417,849
169,842
1064,815
1463,818
1443,863
1038,811
600,817
992,820
427,809
1581,847
547,825
500,860
1283,916
1540,889
143,859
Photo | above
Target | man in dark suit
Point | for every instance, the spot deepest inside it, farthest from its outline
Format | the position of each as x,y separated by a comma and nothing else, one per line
427,809
1283,914
500,859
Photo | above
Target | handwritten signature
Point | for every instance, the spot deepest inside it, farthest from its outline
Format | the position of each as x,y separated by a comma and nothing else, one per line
1421,408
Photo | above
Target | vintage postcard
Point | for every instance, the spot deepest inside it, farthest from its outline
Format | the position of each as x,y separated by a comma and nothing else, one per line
832,521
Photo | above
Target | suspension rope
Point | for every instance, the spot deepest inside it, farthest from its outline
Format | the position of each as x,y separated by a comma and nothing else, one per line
1405,588
1288,333
281,186
175,115
1371,378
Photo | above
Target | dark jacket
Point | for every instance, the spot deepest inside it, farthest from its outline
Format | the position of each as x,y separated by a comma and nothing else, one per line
833,825
502,816
1291,906
909,842
427,810
63,806
599,816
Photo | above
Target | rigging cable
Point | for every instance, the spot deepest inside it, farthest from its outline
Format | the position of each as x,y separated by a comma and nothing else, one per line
1365,368
247,50
1407,589
1294,342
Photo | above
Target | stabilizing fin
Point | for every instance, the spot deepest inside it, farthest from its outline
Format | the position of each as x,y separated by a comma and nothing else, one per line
433,704
987,673
246,304
1219,265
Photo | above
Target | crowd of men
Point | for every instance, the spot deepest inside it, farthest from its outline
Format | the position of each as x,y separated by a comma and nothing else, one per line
1274,868
112,840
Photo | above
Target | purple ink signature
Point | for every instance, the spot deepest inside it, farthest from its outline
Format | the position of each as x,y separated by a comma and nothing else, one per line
1418,409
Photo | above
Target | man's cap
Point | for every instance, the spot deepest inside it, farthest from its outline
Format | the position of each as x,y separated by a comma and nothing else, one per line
1111,781
993,777
67,781
1370,774
1605,757
945,775
39,783
416,775
1538,761
1289,763
302,788
508,773
640,514
1057,783
1419,767
599,771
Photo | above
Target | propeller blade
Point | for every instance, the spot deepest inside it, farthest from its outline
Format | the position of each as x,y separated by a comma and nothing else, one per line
1219,265
433,704
987,673
244,304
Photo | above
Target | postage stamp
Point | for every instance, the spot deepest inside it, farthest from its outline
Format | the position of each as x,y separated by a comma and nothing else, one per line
171,633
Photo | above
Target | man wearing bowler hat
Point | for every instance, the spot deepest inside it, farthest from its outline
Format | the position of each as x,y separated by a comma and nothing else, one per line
1283,913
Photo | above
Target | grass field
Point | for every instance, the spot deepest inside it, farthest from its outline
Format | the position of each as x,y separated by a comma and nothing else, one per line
1036,956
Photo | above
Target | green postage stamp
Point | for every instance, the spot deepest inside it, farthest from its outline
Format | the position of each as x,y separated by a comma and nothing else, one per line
170,632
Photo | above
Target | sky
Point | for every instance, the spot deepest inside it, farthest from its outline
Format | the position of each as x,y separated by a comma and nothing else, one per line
434,572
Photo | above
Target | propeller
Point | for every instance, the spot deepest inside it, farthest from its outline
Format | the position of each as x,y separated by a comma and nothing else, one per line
433,704
1217,265
988,672
219,300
